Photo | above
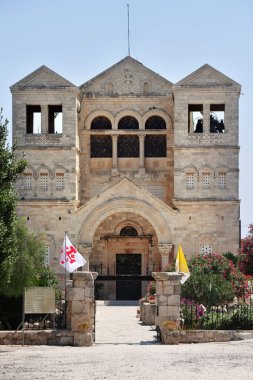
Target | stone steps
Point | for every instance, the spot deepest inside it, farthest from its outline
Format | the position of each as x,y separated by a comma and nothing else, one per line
116,303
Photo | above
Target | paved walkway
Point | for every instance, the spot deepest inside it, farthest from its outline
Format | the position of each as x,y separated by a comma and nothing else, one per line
126,350
119,325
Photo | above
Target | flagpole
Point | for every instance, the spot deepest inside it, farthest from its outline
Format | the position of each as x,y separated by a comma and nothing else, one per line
65,280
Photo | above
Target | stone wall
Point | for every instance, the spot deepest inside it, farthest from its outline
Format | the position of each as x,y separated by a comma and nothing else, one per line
203,336
34,337
81,308
167,298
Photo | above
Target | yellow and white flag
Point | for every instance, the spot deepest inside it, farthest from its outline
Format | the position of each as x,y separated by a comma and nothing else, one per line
181,264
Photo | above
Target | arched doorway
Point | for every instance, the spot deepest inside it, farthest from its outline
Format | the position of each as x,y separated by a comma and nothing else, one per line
124,254
103,222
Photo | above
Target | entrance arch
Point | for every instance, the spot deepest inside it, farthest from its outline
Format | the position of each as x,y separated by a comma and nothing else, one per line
113,206
125,198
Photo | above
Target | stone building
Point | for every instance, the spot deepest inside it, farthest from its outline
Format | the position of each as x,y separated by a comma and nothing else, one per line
130,165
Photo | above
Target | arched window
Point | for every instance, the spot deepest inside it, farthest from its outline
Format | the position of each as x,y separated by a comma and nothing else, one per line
128,231
128,146
101,122
128,122
44,180
155,146
59,180
155,122
28,178
100,146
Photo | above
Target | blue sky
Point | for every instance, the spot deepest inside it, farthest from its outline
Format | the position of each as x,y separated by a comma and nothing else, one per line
80,38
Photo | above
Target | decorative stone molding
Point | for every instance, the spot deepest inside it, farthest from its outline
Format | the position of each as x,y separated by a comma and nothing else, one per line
43,140
202,139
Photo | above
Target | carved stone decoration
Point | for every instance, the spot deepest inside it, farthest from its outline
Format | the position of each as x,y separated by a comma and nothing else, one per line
44,140
128,79
201,139
86,251
165,250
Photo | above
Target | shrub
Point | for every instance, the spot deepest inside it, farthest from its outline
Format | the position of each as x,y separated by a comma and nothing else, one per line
214,279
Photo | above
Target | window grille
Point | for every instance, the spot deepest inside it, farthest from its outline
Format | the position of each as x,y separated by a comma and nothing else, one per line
128,231
206,180
128,122
155,122
189,181
43,181
222,180
59,181
206,249
155,146
100,146
28,181
101,122
128,146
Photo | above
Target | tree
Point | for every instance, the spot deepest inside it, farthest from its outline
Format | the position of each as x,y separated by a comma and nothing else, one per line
24,267
246,253
21,252
10,169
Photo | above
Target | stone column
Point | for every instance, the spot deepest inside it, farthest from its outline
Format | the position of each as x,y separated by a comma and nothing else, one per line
44,119
206,118
81,308
168,288
142,154
114,154
86,251
165,250
150,258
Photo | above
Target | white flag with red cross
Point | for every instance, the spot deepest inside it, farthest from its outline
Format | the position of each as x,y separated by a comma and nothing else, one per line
70,258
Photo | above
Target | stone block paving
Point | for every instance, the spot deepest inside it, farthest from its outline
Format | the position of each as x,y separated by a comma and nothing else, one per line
119,325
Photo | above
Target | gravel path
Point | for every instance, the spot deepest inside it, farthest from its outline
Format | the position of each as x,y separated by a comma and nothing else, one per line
125,349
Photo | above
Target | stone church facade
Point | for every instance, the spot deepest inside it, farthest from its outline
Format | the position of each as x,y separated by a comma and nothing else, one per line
129,165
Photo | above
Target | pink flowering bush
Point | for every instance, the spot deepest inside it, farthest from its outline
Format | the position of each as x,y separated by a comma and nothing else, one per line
213,280
246,253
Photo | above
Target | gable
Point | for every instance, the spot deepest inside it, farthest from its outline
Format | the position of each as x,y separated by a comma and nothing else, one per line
127,189
43,77
127,77
206,76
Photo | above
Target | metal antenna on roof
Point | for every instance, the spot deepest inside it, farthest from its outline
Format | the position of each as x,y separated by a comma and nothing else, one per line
128,33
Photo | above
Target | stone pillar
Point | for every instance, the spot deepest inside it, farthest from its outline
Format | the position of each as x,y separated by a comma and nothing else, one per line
165,250
86,251
44,119
150,258
81,308
206,118
168,288
114,154
142,154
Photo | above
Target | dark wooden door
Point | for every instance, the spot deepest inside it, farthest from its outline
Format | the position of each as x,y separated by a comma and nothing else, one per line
126,265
